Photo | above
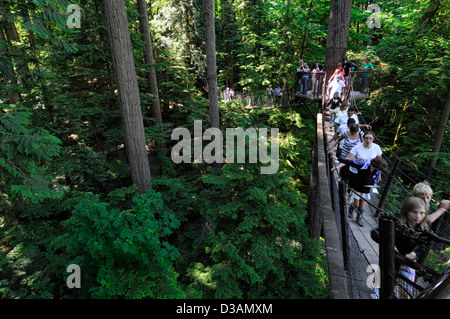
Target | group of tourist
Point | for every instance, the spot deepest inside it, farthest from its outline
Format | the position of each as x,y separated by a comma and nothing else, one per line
304,71
360,159
337,81
415,214
227,94
359,162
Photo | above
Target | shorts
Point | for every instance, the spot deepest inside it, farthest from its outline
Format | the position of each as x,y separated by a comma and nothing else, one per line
366,196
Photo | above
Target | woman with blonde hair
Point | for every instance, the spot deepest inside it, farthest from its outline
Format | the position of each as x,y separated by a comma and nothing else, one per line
413,213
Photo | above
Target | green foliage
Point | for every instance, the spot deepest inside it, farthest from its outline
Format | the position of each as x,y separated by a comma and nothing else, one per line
264,41
25,151
258,246
204,231
255,239
65,177
27,264
123,253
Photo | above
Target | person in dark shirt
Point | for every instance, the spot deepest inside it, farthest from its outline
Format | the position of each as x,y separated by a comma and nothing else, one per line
347,67
366,178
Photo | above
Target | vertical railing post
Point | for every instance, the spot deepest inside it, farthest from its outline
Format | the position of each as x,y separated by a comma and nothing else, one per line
342,199
387,257
387,186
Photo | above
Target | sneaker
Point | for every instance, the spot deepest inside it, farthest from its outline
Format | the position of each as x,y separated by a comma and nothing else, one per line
358,219
375,292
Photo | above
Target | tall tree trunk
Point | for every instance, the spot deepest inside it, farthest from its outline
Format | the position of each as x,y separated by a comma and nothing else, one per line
230,20
122,55
440,132
338,27
149,59
305,31
211,68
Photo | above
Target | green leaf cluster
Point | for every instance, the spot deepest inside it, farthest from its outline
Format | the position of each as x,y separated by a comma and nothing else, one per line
24,155
122,252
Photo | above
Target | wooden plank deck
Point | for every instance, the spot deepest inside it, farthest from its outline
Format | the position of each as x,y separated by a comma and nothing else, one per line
333,243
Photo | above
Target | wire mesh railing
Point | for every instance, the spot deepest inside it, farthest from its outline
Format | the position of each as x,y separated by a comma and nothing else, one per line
356,262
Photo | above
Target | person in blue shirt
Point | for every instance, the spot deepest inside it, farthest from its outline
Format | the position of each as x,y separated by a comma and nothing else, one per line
277,94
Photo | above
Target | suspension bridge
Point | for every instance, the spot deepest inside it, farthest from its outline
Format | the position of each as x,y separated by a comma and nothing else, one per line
356,263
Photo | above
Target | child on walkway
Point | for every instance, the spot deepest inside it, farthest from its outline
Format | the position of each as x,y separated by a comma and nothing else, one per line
424,191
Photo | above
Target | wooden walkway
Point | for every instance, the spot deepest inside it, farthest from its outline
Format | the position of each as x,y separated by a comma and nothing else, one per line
333,242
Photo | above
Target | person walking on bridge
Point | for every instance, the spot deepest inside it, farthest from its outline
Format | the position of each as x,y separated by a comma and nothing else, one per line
336,81
424,191
277,93
347,140
366,176
364,152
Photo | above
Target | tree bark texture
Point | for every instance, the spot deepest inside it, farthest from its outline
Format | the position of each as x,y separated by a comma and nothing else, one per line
149,59
338,27
10,34
211,67
123,61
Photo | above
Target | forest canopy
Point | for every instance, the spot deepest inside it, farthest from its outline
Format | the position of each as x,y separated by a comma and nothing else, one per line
67,194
